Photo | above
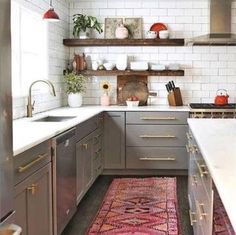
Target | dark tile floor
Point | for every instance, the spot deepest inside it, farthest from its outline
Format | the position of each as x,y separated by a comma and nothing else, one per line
91,202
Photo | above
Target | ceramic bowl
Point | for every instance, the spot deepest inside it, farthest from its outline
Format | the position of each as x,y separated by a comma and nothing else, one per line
132,103
109,66
164,34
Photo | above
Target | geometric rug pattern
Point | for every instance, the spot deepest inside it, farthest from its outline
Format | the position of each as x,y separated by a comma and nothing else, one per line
146,206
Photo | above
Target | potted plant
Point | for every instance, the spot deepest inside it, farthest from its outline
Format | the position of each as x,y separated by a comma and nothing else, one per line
75,86
83,24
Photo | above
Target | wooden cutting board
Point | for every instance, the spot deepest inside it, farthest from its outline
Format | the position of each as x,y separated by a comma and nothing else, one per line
132,86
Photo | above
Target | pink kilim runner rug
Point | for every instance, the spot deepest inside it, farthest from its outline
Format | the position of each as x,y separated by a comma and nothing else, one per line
139,207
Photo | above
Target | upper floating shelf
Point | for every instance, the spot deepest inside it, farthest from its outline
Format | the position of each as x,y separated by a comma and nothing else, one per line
123,42
132,73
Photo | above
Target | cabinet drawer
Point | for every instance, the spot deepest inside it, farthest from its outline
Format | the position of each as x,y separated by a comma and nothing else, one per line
156,158
193,213
31,160
203,174
156,135
204,209
86,127
156,117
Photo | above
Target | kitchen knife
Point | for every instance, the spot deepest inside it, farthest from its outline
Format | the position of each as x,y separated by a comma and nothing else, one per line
167,87
172,84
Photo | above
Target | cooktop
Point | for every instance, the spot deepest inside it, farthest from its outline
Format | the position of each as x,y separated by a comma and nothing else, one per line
211,106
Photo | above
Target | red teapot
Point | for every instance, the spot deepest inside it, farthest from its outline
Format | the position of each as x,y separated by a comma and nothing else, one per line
221,97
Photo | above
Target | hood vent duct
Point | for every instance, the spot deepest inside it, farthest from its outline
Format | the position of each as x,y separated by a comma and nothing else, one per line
220,26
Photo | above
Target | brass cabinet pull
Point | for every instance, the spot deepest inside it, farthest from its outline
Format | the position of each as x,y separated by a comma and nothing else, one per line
194,180
200,210
158,118
157,158
32,188
188,148
27,166
157,136
196,150
192,216
189,137
202,169
85,146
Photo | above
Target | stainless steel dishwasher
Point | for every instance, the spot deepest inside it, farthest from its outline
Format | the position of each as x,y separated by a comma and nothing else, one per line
64,179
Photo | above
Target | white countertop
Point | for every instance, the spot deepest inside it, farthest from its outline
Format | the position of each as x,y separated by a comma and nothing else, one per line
27,134
216,139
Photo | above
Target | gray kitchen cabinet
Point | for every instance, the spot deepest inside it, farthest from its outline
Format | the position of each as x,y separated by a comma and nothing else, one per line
33,203
114,140
89,158
200,193
156,140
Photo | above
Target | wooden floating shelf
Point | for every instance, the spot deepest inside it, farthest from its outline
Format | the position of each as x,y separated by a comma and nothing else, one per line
123,42
132,73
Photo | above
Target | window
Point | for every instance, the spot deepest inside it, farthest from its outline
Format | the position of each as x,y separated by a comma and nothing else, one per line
29,48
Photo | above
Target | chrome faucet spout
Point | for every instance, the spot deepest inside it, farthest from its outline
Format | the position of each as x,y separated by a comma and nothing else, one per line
30,106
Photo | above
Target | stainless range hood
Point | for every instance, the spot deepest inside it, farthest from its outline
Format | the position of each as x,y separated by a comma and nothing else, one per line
220,26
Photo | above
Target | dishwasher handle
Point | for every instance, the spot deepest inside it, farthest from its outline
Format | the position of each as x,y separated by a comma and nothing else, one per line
65,136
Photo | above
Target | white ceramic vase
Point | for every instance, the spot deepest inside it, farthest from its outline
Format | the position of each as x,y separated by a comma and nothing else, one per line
75,100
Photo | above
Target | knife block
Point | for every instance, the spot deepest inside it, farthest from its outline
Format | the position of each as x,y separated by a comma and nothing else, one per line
175,98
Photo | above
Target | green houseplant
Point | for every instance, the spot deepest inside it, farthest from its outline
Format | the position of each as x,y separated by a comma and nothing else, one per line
83,23
75,86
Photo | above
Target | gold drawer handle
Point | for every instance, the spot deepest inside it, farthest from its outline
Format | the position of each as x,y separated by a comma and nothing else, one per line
33,188
27,166
189,136
202,169
85,146
158,118
189,148
195,149
157,136
192,216
157,158
200,209
194,180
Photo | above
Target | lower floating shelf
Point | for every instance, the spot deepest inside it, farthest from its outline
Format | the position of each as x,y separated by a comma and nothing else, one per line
132,73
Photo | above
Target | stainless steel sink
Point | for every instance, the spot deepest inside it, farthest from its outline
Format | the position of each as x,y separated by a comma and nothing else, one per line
54,119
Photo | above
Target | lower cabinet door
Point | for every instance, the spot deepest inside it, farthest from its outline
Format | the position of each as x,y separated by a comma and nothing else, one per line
33,203
114,140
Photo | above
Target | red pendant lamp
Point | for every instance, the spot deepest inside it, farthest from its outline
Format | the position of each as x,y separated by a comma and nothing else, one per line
51,15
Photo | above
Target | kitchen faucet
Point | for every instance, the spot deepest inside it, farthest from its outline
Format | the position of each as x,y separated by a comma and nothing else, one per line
30,106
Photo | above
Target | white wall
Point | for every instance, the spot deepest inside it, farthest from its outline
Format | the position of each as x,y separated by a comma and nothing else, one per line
206,68
58,58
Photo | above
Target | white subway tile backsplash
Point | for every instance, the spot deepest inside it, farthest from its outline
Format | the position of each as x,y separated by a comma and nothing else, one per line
206,68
